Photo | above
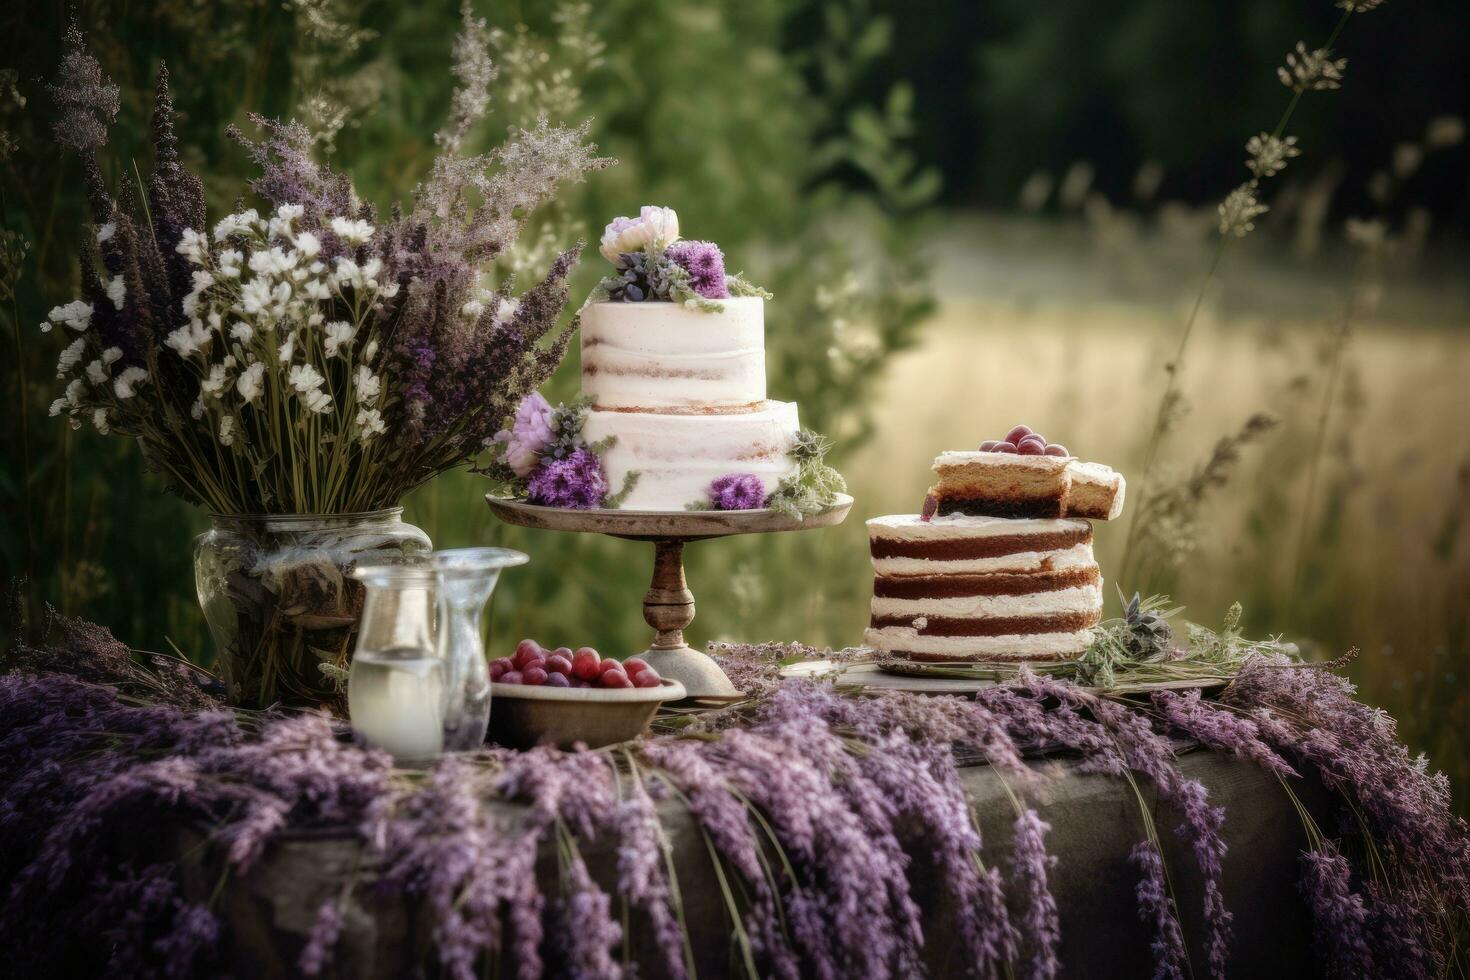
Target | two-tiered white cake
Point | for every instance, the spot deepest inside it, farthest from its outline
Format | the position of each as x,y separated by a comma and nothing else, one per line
683,393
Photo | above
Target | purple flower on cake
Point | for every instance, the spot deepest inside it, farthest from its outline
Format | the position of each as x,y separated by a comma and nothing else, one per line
705,264
576,482
528,435
737,491
653,226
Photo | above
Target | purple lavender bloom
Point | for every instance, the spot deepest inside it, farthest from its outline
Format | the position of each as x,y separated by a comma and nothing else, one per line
705,264
737,491
576,483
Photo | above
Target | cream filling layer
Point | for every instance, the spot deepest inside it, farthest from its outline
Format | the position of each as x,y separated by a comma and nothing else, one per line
1086,598
903,639
1021,561
954,527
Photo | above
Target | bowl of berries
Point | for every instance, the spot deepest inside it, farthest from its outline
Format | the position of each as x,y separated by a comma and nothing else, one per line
562,697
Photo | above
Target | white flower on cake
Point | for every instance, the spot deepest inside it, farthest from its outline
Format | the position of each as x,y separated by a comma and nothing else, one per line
654,226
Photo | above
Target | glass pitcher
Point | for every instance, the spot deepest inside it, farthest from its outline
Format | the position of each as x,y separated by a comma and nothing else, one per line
466,577
395,691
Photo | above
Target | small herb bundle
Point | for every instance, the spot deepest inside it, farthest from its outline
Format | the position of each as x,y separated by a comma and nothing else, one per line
814,485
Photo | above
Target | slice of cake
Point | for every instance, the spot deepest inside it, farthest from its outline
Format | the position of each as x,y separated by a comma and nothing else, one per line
1023,475
983,588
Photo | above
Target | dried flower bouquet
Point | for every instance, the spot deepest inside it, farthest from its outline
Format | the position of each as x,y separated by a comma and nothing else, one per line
306,357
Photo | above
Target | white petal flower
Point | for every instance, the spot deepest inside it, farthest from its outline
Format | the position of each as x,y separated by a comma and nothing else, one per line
96,373
250,382
304,378
653,226
352,232
191,337
368,384
227,430
255,297
77,315
317,289
242,331
70,357
308,244
287,350
112,355
125,385
75,391
370,351
236,224
99,419
230,261
472,310
370,422
347,274
193,246
217,382
318,401
196,410
57,407
285,216
106,232
117,291
339,333
388,290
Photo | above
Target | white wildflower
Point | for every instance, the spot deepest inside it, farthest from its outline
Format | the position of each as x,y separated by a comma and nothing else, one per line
230,261
193,246
58,406
370,351
308,244
388,290
251,382
285,216
352,232
242,223
99,419
1311,71
227,430
242,331
1268,154
347,274
304,378
370,421
70,357
1239,210
96,372
472,310
339,333
75,391
287,349
255,297
191,337
111,356
77,315
126,384
318,401
368,384
316,289
196,410
218,380
272,261
506,311
106,232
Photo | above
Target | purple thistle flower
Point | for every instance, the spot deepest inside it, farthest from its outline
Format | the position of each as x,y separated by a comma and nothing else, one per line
576,482
737,491
705,264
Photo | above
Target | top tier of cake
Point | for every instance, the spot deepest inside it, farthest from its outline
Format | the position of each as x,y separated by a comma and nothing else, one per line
661,357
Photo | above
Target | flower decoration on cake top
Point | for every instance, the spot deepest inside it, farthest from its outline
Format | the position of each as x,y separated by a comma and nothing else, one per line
1023,476
653,264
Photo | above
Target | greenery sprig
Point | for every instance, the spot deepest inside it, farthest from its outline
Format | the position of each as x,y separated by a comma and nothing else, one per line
814,485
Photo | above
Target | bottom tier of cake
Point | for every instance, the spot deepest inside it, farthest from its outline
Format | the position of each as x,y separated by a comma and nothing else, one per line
983,588
677,457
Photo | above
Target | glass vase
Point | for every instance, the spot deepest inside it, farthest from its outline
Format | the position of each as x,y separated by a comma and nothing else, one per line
281,603
466,579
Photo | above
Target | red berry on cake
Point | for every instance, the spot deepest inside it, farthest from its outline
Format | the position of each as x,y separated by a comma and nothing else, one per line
1032,445
988,446
1015,436
931,507
1005,447
1056,449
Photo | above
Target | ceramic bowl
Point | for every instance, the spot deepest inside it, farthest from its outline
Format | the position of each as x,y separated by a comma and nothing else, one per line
523,715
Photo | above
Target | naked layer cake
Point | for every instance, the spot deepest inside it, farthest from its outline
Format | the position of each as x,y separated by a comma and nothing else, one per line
999,566
983,588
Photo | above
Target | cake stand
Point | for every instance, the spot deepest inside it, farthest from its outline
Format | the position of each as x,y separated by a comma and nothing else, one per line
668,606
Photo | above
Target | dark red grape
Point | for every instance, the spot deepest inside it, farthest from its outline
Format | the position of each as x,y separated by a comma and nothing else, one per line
499,667
615,678
647,678
557,664
989,445
512,677
534,674
1015,436
558,680
526,651
1031,446
633,666
1057,449
564,651
608,663
587,664
1005,447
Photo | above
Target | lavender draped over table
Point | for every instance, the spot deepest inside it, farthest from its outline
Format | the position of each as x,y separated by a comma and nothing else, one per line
825,780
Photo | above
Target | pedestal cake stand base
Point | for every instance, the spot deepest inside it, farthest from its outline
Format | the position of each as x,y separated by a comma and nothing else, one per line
668,606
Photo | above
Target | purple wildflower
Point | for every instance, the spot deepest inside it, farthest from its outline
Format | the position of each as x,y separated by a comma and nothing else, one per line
1156,910
576,482
529,434
1339,919
737,491
322,939
705,264
1032,865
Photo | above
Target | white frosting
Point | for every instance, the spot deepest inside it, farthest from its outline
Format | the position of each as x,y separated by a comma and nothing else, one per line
911,527
1084,598
1034,646
661,356
1021,561
678,456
